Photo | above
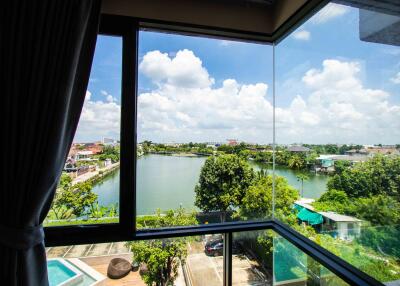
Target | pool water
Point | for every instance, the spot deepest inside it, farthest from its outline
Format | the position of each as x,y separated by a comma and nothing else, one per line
58,272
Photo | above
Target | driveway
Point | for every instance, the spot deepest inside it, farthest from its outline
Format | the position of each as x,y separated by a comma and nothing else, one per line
206,270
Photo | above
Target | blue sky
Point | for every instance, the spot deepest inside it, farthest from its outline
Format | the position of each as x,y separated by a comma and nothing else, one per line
330,88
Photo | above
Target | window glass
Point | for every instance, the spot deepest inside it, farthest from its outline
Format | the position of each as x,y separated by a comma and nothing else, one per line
88,190
338,132
193,261
204,128
266,258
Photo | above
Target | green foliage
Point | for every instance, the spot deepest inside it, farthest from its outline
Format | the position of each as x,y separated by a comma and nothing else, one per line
257,202
302,178
223,183
162,257
110,152
378,210
379,175
74,200
296,162
383,239
341,166
263,157
65,181
332,200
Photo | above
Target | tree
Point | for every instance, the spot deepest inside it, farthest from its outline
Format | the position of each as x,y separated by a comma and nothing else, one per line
332,200
74,200
379,175
110,152
222,184
65,181
296,162
301,178
162,257
257,202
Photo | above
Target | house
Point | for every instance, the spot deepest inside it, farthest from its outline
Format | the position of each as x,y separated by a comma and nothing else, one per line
298,149
83,155
232,142
341,226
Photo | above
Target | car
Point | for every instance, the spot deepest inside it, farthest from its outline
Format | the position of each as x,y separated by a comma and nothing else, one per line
216,247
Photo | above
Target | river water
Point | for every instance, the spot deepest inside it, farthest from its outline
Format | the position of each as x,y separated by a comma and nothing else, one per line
167,182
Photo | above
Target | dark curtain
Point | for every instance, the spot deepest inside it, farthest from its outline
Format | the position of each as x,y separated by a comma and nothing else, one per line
46,51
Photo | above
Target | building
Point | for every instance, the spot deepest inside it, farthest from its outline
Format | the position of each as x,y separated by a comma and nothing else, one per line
341,226
232,142
298,149
338,226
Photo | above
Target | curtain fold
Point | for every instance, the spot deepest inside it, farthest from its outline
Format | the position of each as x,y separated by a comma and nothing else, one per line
46,52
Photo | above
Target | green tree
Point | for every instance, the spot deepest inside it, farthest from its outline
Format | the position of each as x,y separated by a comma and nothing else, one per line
162,257
65,181
379,175
257,202
222,184
75,200
296,162
110,152
301,178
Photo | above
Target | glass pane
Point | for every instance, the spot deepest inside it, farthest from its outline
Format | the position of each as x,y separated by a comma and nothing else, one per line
175,261
265,258
338,132
88,191
204,127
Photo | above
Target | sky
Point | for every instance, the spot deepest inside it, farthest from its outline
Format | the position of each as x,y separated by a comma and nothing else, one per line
331,87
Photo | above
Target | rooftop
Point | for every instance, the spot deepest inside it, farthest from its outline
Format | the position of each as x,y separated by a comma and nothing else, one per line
338,217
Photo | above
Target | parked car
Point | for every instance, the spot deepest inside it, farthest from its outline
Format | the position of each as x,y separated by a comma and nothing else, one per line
216,247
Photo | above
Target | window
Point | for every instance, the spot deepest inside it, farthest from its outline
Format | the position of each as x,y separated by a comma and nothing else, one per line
203,112
337,107
292,108
88,191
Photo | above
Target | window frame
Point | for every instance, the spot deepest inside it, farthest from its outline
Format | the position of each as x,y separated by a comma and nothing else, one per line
125,230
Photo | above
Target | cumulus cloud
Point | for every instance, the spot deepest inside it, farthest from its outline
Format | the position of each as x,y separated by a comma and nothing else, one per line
184,70
396,78
328,13
302,35
335,107
98,119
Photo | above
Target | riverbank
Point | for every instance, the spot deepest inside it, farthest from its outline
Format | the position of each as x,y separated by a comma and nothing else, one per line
180,154
91,175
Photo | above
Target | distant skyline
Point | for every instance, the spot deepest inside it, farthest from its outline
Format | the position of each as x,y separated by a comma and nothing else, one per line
330,88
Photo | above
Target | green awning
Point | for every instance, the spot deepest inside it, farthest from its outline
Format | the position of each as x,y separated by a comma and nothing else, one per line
310,216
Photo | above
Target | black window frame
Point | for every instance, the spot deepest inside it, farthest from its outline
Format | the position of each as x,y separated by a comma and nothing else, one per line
125,230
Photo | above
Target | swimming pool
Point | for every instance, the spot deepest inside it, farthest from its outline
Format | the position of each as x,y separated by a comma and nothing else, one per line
62,274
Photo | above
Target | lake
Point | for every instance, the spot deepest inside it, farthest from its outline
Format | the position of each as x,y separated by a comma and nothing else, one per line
167,182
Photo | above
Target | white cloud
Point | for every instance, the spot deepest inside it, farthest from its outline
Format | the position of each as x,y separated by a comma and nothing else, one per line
98,119
302,35
335,106
396,78
328,13
184,70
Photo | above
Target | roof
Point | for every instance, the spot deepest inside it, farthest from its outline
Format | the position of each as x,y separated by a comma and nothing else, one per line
358,158
305,203
310,216
338,217
85,153
298,149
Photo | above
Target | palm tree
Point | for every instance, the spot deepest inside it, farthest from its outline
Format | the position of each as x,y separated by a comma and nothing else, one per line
302,178
296,162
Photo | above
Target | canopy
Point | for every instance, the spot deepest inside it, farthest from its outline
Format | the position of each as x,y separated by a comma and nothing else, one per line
310,216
